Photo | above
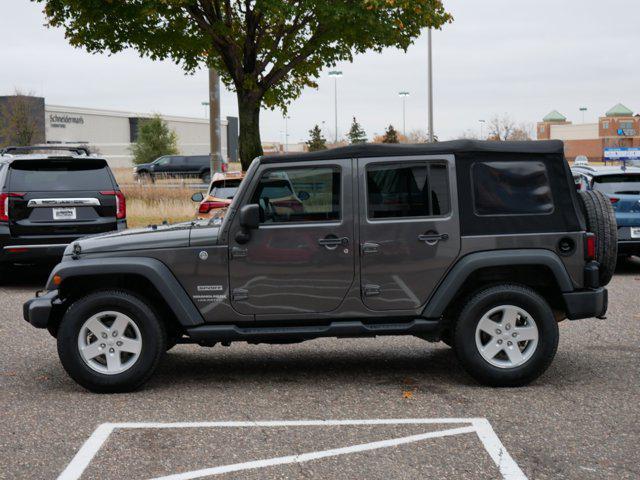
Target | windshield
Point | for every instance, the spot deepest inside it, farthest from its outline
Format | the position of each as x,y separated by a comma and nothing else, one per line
628,184
224,189
48,175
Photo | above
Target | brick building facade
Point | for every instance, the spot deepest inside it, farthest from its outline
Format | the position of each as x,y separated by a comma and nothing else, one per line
618,130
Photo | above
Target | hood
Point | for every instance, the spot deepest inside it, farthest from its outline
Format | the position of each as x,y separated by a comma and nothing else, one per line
148,238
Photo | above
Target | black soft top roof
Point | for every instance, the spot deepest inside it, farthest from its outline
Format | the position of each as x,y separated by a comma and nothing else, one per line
452,147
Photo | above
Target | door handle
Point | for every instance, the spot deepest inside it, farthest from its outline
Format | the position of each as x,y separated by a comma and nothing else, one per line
370,247
331,242
432,238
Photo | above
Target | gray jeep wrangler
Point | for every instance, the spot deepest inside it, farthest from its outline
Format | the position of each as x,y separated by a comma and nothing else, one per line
485,246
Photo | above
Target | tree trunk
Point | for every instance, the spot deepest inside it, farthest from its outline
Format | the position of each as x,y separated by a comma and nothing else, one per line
249,143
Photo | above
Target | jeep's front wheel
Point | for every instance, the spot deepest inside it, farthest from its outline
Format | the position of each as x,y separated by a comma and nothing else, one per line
110,341
506,336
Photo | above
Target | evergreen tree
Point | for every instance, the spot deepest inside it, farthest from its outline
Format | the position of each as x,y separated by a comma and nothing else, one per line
390,135
356,133
316,140
155,139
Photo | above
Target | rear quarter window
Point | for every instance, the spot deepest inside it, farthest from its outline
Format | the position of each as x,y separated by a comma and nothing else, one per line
511,188
628,184
55,175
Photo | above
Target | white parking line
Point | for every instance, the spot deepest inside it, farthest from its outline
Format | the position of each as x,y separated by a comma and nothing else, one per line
492,444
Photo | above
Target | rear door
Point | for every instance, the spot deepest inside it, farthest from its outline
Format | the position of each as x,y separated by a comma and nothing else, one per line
409,229
61,197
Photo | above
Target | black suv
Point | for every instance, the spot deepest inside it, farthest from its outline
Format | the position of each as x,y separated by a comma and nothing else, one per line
49,197
175,166
485,246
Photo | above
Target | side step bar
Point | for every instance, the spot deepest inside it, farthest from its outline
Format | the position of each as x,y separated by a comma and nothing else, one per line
292,334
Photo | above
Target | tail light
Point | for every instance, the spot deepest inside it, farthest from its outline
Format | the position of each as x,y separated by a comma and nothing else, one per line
614,199
206,207
224,167
121,203
590,246
4,205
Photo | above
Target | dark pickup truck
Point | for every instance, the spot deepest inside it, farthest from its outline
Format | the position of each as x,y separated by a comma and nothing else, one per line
483,245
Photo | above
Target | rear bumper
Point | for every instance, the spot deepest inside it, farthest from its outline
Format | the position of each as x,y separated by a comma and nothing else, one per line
37,311
21,252
629,247
586,303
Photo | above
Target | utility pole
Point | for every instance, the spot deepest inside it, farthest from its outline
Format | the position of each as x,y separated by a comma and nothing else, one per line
482,122
214,121
335,74
430,81
583,109
404,96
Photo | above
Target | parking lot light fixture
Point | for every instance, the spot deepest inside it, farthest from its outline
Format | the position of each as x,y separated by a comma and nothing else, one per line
482,122
583,109
335,74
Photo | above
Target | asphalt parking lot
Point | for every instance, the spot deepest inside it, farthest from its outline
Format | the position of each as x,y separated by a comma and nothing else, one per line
327,408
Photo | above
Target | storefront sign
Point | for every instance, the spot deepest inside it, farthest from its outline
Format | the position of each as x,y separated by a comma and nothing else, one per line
621,153
61,121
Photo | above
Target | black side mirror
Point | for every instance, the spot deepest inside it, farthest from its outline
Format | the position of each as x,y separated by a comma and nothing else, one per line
250,216
249,220
197,197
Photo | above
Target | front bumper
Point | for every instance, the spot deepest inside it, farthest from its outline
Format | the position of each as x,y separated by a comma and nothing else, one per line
37,311
586,303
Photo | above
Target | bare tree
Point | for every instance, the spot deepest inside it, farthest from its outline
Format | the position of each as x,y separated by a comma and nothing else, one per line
418,136
18,124
502,128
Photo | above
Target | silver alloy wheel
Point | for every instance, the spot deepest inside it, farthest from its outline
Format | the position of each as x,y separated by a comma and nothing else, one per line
110,342
507,336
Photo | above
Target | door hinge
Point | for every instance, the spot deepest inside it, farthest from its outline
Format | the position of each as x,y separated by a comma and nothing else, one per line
371,290
237,252
238,294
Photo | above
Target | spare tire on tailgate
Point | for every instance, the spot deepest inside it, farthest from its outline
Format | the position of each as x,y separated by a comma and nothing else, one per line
601,221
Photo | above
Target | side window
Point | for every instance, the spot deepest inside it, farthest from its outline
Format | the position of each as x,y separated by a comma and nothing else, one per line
511,188
407,190
177,161
163,161
299,195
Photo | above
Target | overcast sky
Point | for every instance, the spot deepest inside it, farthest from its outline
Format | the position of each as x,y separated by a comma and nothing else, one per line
522,57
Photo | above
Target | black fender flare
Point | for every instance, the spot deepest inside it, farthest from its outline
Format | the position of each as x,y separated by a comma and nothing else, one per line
152,269
468,264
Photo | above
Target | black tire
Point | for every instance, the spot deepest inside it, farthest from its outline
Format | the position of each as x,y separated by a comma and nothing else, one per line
541,354
152,333
601,220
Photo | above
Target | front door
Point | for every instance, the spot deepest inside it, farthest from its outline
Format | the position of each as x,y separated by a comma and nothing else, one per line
409,230
301,259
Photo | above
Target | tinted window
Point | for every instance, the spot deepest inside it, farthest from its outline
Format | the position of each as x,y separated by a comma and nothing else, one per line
35,175
177,161
198,159
511,188
225,189
299,195
407,190
620,184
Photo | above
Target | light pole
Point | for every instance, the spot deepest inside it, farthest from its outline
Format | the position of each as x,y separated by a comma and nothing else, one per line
206,108
335,74
430,81
482,122
214,122
583,109
404,96
286,133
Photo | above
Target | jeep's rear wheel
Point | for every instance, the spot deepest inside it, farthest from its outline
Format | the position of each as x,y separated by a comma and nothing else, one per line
506,336
110,341
601,220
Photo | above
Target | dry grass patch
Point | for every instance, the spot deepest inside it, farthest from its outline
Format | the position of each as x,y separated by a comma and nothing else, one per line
148,204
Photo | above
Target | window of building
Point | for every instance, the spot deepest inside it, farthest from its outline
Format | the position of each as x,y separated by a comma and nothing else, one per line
605,125
299,195
626,125
407,190
511,188
541,128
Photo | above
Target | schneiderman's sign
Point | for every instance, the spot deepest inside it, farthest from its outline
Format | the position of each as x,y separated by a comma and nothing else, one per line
61,120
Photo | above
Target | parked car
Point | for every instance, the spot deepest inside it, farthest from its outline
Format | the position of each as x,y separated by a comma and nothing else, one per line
621,185
482,245
176,166
223,188
51,198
